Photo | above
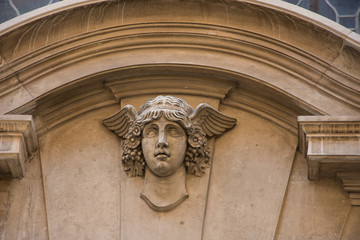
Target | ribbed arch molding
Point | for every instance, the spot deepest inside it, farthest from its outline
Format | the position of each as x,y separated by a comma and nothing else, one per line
266,59
108,88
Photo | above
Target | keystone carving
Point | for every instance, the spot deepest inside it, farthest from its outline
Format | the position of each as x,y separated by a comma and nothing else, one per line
163,141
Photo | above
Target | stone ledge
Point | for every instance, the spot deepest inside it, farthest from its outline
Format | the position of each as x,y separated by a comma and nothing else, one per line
18,143
331,144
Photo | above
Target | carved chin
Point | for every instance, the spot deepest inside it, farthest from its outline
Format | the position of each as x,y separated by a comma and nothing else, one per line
161,168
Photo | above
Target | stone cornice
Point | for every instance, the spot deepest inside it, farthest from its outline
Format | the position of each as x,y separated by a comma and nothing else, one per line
332,147
18,144
330,144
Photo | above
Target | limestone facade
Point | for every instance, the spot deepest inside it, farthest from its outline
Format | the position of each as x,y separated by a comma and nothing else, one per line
289,169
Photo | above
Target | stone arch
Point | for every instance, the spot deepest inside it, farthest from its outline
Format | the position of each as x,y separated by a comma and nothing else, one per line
275,60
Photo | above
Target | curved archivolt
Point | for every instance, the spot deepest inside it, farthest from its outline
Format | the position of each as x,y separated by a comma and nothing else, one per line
266,59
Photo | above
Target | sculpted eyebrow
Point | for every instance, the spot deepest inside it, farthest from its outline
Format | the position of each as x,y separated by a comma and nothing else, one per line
151,126
172,125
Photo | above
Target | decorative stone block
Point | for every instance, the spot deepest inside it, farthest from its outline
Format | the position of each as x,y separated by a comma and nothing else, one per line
351,185
18,143
331,144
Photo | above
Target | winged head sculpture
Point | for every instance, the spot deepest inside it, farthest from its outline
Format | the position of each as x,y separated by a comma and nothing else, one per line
163,140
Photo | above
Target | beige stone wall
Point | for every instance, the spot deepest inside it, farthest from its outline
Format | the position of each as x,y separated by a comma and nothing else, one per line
81,169
248,180
253,190
72,64
23,210
85,183
249,176
312,209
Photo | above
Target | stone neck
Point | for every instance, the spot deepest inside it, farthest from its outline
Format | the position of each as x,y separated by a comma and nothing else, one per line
164,193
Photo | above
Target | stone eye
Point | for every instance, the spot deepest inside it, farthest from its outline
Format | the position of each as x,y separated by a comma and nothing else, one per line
175,132
151,132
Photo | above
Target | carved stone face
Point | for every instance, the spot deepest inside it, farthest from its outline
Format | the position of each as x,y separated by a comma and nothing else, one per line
164,145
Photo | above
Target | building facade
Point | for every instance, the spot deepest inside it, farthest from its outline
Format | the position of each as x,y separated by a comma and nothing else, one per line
288,169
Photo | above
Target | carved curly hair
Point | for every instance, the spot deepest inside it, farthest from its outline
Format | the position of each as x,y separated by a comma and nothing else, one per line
197,156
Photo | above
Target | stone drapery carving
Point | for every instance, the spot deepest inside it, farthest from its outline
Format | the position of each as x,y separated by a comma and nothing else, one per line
165,139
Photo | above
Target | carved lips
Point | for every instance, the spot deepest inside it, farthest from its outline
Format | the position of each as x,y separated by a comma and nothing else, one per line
162,155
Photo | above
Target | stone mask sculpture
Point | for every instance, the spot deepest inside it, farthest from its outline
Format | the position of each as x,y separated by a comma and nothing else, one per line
165,139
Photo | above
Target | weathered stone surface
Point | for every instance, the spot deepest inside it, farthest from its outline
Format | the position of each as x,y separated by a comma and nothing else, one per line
24,205
18,143
330,144
312,209
262,57
249,176
4,204
282,47
81,167
351,229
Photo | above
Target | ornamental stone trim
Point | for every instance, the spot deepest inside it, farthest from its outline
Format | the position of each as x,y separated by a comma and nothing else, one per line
331,144
18,143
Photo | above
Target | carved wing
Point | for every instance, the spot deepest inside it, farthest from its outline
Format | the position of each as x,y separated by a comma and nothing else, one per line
119,122
211,121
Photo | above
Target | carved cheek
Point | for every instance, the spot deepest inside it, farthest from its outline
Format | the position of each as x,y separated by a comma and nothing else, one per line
178,148
148,147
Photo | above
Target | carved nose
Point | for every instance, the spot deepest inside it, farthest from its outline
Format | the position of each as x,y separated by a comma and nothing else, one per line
162,142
